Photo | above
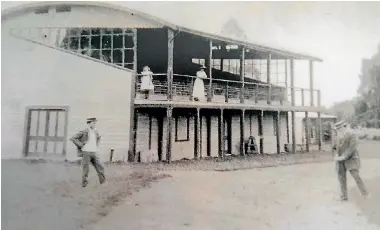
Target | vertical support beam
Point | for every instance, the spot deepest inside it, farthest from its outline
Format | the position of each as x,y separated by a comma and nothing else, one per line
67,111
221,134
250,124
197,134
169,121
200,135
222,61
150,132
293,132
132,157
293,102
242,115
269,101
209,92
160,124
311,83
208,124
287,127
56,130
28,118
261,132
170,64
307,131
292,82
47,123
302,97
278,132
133,112
134,37
242,73
320,132
286,74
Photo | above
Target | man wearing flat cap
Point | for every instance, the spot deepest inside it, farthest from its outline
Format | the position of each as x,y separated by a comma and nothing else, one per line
347,158
87,142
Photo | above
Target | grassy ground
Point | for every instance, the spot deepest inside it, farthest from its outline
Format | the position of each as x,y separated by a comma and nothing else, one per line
367,149
240,163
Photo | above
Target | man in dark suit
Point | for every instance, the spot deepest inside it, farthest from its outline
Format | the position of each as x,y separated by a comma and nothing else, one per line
87,142
347,158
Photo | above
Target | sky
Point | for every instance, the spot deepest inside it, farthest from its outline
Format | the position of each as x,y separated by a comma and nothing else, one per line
341,33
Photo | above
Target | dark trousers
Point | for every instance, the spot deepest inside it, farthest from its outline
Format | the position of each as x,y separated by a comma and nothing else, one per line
90,157
342,177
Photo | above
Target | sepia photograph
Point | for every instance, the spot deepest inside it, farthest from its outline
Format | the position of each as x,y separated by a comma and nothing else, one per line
201,115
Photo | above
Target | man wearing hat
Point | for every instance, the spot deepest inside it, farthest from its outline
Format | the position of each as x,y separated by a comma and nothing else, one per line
87,142
347,158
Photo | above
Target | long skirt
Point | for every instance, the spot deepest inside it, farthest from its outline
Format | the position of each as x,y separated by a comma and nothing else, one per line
199,89
147,84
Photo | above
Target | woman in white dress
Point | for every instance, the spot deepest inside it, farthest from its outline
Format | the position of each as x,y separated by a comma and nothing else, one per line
199,87
147,86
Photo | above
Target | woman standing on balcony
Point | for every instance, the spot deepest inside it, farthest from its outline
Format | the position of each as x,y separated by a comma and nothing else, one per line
199,87
146,82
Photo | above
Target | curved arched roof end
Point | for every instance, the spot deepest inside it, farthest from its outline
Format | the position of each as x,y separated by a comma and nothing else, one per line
23,8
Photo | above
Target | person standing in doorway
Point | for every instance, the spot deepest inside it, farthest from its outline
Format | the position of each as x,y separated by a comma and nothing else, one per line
199,87
87,142
347,158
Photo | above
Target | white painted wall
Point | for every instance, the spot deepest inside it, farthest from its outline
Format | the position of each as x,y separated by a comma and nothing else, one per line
35,75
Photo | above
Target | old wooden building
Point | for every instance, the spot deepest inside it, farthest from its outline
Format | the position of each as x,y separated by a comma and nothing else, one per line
63,62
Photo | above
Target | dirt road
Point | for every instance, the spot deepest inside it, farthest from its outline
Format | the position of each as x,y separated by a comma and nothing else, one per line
288,197
48,196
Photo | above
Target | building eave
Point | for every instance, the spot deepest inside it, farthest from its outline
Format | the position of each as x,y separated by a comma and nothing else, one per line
33,5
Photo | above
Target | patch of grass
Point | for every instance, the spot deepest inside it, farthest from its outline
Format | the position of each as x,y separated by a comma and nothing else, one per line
35,161
232,163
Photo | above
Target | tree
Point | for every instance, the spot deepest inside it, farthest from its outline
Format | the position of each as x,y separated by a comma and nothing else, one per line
367,109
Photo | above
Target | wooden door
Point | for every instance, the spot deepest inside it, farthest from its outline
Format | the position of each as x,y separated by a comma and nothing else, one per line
46,132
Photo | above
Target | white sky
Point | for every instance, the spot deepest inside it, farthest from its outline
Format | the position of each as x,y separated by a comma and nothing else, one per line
341,33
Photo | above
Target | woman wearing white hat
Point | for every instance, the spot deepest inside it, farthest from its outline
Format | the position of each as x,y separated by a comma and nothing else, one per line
146,82
199,87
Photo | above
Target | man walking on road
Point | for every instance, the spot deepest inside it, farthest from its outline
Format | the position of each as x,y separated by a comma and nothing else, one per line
347,158
87,142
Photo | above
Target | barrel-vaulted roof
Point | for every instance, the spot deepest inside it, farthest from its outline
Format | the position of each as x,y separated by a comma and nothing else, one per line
21,9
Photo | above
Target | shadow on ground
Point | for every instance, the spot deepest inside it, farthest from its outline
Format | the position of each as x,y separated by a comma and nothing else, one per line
370,207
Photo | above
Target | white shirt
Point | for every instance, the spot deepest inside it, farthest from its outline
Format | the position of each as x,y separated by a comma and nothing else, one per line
91,145
201,74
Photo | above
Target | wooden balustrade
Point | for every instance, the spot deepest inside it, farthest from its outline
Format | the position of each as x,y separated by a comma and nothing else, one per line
224,91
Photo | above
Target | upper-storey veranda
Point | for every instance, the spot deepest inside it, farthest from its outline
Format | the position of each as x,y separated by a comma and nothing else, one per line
238,73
